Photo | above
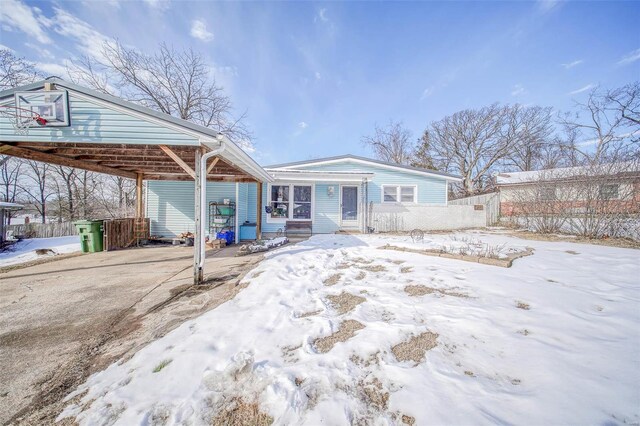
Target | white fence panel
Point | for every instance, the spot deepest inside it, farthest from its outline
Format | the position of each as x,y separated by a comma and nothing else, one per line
491,203
398,218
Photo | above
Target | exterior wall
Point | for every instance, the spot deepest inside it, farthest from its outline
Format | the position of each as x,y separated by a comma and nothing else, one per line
404,218
431,190
170,204
94,122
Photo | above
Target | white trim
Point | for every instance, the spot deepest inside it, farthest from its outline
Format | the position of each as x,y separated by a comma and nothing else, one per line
372,163
349,223
291,201
315,176
399,194
237,230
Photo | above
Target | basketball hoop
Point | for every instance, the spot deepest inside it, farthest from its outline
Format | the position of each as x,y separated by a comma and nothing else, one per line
21,119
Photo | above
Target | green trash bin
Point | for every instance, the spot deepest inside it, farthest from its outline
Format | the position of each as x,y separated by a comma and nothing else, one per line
91,235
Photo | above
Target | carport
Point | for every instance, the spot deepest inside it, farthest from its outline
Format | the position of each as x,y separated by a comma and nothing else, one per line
89,130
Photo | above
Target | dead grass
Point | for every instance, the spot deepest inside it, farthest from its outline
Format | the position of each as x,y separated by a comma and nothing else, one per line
422,290
345,332
362,260
571,252
522,305
345,302
162,365
361,275
611,242
332,280
374,268
374,395
406,269
408,420
416,347
309,314
241,413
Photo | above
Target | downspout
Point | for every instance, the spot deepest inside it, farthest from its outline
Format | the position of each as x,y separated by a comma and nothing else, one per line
203,198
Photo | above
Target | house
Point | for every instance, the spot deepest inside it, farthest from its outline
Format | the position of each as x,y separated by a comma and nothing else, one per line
343,193
4,208
604,188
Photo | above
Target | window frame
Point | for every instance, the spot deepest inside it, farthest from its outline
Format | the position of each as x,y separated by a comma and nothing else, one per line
603,185
542,196
291,203
399,194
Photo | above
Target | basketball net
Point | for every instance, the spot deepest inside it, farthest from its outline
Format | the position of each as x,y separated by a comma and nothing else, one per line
21,119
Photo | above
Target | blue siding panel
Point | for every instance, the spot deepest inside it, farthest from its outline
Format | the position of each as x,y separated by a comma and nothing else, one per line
92,122
170,204
326,216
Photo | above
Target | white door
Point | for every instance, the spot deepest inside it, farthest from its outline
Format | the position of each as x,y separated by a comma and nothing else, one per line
349,206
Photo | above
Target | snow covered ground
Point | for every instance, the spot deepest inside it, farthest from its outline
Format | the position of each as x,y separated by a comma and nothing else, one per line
25,250
336,331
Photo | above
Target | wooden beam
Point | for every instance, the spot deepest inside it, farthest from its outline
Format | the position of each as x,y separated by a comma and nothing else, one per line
139,201
179,160
213,164
31,154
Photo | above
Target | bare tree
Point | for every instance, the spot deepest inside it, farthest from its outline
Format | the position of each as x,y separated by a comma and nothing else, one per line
470,143
530,129
604,129
35,185
179,83
15,70
391,143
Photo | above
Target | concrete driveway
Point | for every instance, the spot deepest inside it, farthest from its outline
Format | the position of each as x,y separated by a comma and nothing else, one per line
63,320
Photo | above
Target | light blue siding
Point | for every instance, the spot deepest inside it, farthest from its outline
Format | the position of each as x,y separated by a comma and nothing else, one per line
170,205
92,122
431,190
252,194
242,204
326,217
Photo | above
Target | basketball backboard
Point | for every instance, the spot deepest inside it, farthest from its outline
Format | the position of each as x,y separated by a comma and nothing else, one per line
52,105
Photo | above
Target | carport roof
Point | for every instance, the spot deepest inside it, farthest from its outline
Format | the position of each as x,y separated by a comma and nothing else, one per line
128,159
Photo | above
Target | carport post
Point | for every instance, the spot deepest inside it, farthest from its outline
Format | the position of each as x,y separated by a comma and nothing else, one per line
259,212
197,253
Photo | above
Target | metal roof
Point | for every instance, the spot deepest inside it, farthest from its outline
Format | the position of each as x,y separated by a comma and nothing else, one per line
364,159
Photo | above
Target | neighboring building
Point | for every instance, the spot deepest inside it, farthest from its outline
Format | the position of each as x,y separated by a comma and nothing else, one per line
606,188
4,208
343,193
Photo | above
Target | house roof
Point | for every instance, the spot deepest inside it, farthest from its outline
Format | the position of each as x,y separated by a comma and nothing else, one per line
10,206
207,137
613,169
356,158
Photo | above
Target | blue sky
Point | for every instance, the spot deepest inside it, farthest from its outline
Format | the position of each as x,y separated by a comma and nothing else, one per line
315,77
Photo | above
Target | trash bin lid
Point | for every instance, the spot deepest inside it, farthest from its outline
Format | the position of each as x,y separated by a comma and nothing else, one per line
87,222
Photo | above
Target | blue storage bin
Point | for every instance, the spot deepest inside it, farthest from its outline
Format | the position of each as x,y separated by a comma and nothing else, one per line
228,236
247,231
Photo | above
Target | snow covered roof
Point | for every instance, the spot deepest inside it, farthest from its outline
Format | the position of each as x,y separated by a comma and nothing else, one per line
364,160
514,178
10,206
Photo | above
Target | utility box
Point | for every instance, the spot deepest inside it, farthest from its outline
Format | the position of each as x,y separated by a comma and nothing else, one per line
247,231
91,235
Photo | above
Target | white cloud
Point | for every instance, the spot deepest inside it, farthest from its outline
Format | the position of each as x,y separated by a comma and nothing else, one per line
88,40
318,75
322,15
199,31
518,90
51,69
16,15
160,5
547,5
303,125
427,92
583,89
630,57
572,64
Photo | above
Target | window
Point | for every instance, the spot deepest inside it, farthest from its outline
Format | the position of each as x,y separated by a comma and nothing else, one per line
609,191
390,194
401,194
302,202
547,193
290,202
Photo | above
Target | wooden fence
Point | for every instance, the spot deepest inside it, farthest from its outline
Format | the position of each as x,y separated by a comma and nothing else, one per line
491,203
123,233
43,230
